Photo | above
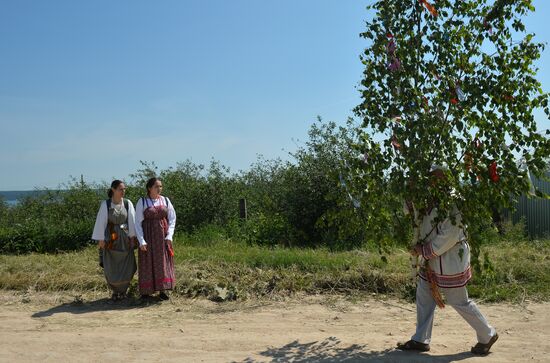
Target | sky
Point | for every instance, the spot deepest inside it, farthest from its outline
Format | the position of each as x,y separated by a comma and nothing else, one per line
92,87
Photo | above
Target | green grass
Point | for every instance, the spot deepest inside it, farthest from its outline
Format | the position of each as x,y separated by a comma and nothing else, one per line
515,272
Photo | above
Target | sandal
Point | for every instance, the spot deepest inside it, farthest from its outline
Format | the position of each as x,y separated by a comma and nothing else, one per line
483,349
413,345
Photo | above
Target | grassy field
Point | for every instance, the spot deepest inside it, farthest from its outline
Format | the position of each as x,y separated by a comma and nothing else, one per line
221,269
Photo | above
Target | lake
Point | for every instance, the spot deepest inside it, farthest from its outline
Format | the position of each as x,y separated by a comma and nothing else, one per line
12,197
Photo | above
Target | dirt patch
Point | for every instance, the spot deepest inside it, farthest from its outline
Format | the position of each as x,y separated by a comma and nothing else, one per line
62,327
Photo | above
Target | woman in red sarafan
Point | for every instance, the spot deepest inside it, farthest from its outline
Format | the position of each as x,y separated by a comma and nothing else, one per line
155,223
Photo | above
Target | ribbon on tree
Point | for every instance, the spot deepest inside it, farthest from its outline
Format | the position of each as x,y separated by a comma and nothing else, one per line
394,65
493,173
396,119
395,143
522,165
391,47
461,96
488,26
429,7
468,161
354,201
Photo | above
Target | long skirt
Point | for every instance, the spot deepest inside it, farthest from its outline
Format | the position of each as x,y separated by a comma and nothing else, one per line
119,262
156,265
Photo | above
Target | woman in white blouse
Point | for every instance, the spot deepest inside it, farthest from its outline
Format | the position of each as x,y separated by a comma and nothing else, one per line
115,232
155,224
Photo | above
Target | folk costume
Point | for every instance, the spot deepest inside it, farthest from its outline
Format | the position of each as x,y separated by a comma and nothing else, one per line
115,225
155,224
444,271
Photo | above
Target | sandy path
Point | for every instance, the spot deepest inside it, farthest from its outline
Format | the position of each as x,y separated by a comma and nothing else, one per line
50,328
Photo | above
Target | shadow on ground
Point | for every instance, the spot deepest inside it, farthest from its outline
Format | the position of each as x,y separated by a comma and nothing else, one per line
331,350
105,304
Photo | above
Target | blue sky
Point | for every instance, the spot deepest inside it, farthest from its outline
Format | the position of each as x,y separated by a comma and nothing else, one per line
92,87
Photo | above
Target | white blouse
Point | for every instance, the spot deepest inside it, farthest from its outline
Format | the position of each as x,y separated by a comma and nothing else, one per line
144,203
103,218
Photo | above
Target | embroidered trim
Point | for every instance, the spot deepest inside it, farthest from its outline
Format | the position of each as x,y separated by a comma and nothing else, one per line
427,251
449,281
150,283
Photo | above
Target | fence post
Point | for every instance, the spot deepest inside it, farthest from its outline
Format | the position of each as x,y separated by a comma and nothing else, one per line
243,214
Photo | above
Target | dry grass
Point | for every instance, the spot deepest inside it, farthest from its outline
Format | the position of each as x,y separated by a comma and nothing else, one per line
228,270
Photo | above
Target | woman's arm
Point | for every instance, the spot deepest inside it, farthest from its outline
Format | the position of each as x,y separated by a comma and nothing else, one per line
100,222
137,224
131,220
171,220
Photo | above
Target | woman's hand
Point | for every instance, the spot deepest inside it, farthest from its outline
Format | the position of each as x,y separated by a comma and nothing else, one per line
143,248
101,244
416,250
169,246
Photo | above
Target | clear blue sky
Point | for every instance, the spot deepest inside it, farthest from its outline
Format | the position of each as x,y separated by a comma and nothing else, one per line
92,87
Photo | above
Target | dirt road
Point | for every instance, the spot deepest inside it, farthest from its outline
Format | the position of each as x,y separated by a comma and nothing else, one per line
55,328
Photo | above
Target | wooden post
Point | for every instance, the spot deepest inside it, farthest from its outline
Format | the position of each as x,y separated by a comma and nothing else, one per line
243,214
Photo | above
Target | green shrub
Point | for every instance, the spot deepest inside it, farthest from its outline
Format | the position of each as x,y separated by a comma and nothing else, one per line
298,203
57,220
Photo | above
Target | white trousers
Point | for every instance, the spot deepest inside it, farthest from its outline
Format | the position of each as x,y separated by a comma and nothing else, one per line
457,298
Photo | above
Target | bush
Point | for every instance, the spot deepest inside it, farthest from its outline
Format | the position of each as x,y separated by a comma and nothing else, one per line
202,196
57,220
302,203
274,230
290,203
